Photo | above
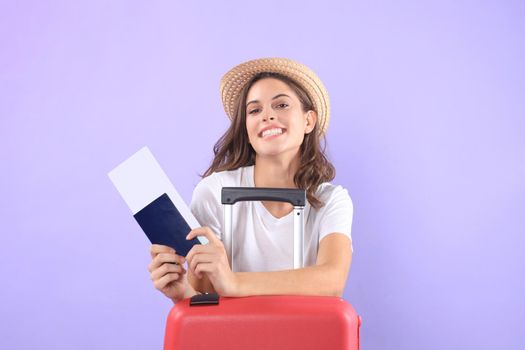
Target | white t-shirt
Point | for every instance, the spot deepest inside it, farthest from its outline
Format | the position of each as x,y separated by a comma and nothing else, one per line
263,242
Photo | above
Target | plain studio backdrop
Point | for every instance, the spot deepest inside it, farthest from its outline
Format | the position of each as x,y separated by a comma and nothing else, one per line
426,133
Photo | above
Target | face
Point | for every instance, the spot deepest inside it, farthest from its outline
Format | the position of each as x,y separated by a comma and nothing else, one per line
275,119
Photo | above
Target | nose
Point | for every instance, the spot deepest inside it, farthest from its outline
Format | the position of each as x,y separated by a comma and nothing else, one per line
268,116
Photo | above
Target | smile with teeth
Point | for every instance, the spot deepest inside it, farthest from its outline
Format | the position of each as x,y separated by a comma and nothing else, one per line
271,132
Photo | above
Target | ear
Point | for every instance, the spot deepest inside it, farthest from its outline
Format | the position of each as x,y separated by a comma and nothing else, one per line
311,119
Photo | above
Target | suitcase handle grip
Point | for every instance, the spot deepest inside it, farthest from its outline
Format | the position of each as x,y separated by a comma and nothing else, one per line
294,196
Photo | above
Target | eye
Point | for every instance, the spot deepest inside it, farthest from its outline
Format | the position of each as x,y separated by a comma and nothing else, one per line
282,105
253,111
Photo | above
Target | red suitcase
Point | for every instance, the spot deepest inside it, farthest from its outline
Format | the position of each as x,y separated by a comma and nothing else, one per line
264,322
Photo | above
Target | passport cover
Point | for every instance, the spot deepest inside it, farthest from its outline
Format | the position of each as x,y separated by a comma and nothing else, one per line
163,224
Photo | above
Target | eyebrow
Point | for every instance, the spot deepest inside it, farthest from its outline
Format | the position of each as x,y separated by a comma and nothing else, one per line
276,96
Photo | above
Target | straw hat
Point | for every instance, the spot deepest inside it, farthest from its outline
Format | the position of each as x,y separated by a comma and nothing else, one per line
234,80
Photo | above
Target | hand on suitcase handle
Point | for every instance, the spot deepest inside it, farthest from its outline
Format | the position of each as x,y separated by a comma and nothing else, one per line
211,259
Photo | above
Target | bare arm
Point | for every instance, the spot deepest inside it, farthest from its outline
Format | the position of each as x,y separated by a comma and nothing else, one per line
327,277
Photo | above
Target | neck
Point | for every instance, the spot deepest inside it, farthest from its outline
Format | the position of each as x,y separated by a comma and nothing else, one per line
275,172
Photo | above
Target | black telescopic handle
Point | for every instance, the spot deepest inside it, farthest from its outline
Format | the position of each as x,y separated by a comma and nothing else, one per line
294,196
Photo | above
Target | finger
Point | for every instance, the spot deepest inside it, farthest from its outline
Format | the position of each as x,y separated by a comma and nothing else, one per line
203,231
165,280
201,259
171,258
203,268
165,269
199,249
158,248
162,258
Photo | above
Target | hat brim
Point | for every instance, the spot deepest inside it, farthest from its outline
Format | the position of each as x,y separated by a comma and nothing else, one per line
235,79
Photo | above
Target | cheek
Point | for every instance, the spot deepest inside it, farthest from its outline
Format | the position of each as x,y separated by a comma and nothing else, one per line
298,125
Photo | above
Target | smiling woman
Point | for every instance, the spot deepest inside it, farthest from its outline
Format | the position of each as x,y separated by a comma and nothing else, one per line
279,111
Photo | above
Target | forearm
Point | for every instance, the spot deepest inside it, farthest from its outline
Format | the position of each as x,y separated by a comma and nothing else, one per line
312,280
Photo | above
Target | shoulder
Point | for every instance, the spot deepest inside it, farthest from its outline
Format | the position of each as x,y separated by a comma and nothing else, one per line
212,184
336,215
331,195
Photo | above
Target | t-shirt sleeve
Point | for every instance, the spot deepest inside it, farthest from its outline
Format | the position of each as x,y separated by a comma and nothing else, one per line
337,214
206,206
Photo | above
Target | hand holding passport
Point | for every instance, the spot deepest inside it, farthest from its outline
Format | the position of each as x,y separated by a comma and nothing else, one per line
154,202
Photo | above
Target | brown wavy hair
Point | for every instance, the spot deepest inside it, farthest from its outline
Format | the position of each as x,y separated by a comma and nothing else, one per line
233,149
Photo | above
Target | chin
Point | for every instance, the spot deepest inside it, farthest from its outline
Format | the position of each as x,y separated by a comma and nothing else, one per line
268,153
273,151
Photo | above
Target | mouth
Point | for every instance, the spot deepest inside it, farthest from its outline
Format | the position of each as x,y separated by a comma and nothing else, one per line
271,132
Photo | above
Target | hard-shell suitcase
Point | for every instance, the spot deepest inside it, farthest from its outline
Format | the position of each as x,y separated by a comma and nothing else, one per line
263,322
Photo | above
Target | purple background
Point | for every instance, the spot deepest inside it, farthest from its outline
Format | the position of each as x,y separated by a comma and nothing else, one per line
426,133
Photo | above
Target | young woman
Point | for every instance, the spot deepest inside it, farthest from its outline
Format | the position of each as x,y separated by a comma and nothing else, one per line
279,111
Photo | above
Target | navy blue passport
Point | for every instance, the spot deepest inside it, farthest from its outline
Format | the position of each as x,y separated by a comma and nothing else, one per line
163,224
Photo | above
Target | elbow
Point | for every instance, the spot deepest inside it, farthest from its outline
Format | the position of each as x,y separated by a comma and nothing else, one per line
337,283
337,291
334,285
332,292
